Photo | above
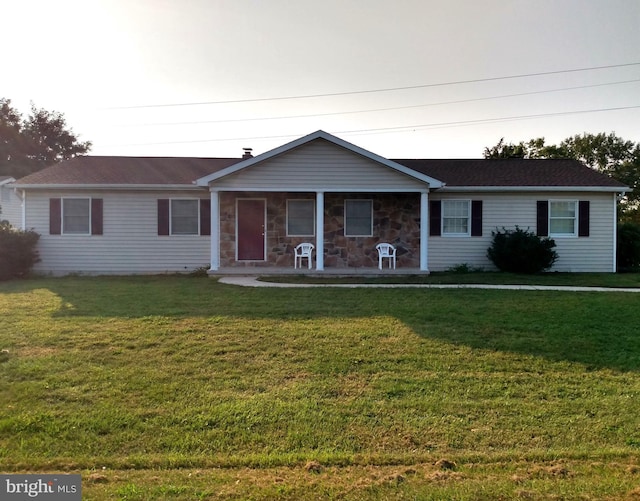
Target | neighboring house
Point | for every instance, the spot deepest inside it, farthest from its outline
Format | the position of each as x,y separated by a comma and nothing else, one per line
10,202
149,215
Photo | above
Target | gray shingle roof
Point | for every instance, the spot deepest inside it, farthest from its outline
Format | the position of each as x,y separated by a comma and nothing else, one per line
127,170
103,170
512,172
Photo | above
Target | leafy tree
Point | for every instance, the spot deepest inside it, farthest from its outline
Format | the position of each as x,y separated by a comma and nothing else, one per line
628,251
32,143
606,153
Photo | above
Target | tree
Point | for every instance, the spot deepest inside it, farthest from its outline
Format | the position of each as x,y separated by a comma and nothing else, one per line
40,140
606,153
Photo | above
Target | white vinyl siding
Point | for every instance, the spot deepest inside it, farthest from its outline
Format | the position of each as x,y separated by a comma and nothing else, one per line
563,218
320,165
358,218
10,206
76,216
591,254
185,217
301,218
456,218
130,243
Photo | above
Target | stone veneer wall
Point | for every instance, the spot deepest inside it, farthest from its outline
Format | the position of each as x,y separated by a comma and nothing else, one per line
396,219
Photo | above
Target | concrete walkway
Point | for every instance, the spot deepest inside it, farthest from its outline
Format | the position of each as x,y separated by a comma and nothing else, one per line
252,281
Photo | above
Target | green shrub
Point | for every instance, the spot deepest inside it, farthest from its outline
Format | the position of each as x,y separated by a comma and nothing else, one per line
521,251
18,251
628,249
464,268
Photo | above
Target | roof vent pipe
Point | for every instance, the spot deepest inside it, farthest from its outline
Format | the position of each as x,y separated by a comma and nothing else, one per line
247,153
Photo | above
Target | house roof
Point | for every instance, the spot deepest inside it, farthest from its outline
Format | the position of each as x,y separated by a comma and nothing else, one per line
126,171
195,173
513,173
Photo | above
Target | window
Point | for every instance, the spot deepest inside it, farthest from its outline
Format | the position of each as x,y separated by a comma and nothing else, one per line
185,217
562,217
455,217
358,218
301,218
76,216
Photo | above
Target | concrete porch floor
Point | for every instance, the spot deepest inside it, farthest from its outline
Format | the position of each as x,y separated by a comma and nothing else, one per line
327,272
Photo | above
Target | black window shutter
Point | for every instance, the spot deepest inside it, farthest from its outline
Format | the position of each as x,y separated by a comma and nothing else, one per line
205,216
163,216
583,218
55,216
542,218
476,218
435,211
96,216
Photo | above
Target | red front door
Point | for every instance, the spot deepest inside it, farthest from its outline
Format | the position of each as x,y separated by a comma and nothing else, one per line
250,236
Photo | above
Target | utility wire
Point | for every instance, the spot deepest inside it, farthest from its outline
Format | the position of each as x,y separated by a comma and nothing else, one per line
375,110
370,91
394,129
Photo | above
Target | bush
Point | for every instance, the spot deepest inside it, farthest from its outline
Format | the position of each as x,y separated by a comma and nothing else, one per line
628,248
521,251
18,251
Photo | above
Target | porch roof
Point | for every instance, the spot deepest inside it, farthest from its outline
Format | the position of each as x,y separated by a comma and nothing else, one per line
432,182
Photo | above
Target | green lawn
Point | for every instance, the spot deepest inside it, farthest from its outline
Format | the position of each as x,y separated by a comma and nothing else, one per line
183,388
621,280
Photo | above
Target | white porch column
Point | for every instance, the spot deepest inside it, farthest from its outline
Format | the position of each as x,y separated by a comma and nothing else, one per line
319,230
215,231
424,231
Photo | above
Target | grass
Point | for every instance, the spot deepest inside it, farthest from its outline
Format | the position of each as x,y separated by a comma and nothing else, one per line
184,388
622,280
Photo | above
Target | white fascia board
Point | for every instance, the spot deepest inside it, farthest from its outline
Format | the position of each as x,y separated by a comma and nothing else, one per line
522,189
306,189
7,181
320,134
124,187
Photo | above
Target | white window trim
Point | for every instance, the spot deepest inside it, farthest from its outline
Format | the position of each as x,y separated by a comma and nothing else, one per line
311,201
442,217
370,200
575,219
74,233
171,233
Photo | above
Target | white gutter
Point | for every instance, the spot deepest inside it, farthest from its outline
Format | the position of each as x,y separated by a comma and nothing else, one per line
24,210
128,187
603,189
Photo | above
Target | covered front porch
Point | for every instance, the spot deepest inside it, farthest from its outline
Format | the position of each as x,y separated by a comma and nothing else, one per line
256,232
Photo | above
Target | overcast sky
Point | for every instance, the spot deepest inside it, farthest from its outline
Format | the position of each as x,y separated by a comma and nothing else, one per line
132,75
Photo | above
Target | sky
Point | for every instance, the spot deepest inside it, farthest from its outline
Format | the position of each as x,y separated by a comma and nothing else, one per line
401,78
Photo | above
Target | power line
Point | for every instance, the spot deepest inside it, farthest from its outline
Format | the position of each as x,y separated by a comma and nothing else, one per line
394,129
375,110
370,91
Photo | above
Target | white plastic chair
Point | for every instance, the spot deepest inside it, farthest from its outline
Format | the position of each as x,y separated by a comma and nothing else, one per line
303,251
386,251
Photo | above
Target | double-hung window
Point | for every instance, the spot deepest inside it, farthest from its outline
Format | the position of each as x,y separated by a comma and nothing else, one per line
562,217
456,216
301,218
185,217
76,216
358,218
